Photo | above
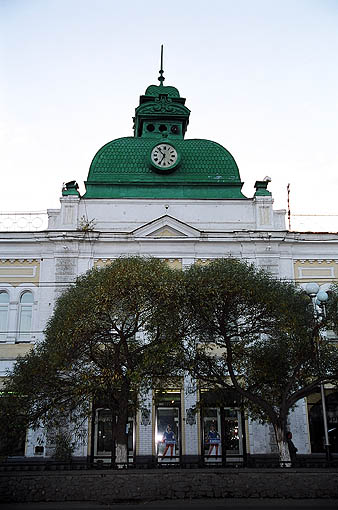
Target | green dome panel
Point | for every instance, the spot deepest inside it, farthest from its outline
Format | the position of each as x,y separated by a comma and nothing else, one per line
121,169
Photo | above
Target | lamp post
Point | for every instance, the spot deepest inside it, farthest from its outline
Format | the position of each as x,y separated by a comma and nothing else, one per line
319,298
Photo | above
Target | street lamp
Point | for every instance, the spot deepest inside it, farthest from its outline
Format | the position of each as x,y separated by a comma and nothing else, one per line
319,298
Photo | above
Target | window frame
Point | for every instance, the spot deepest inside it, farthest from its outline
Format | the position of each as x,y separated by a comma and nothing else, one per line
4,332
24,336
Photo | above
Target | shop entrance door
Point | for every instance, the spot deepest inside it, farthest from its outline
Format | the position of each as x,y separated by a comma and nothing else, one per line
316,422
102,436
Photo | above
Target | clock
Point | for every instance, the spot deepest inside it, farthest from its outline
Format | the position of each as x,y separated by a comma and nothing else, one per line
164,157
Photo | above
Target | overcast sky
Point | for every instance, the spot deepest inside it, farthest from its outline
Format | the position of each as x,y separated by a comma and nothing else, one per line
260,77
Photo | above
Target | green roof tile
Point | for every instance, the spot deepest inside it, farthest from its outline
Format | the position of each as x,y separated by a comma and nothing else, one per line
121,168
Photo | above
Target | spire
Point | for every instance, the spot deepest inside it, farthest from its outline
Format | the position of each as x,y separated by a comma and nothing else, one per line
161,78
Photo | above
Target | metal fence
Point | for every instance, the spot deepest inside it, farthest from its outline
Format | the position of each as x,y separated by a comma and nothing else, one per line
316,461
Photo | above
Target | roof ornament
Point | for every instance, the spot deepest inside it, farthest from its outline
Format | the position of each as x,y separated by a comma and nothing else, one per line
161,78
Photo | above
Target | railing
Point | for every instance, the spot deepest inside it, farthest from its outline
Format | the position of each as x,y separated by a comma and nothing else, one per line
23,221
38,220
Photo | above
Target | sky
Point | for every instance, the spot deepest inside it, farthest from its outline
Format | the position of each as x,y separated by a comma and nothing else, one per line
259,76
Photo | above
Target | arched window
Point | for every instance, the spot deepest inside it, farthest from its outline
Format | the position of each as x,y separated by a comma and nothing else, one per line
25,315
4,302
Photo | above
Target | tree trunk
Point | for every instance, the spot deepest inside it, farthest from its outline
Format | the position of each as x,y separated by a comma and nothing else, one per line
121,455
283,448
121,425
113,436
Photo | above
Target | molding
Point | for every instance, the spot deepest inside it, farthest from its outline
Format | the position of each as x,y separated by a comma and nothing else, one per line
176,228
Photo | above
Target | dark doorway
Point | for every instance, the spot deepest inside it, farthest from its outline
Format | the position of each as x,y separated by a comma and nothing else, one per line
316,423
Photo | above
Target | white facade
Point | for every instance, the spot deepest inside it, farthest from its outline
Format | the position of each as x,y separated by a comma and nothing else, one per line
179,231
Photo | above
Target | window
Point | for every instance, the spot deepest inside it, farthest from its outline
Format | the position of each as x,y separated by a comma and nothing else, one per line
168,426
4,302
25,315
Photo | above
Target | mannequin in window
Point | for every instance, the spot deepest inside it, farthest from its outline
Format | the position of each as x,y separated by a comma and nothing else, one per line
213,440
169,440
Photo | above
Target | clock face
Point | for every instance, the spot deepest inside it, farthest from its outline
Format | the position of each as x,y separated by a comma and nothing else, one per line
164,156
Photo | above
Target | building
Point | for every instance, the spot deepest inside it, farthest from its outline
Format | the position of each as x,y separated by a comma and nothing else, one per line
158,193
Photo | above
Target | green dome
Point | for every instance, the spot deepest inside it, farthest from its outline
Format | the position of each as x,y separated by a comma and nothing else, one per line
201,169
122,169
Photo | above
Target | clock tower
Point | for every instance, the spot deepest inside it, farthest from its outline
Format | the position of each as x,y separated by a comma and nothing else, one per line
158,161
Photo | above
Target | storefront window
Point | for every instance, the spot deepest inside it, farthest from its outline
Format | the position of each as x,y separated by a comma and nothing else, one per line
232,432
221,427
212,443
222,434
168,427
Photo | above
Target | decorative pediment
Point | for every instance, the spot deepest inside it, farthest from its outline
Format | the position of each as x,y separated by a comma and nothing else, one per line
166,232
166,227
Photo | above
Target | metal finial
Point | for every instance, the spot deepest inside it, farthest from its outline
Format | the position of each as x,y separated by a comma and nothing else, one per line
161,78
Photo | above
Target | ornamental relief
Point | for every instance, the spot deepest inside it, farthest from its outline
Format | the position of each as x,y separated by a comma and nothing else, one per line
173,263
102,262
318,270
191,416
163,106
145,416
203,262
17,272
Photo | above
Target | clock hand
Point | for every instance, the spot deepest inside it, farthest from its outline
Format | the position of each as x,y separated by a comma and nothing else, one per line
163,154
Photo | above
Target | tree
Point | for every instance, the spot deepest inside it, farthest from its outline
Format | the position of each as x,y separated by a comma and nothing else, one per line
106,341
267,334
